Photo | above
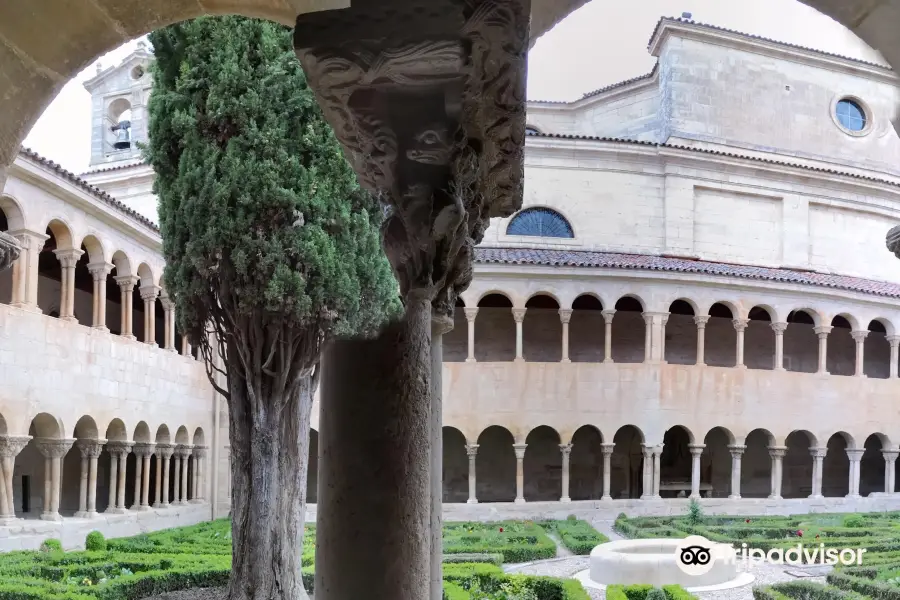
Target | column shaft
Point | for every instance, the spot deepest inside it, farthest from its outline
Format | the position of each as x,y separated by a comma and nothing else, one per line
471,313
736,452
700,322
607,450
894,341
607,335
519,316
520,473
92,486
472,451
165,484
822,333
138,480
696,451
120,502
566,450
83,485
648,337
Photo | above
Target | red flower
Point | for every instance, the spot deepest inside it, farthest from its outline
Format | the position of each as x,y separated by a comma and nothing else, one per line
501,530
748,520
817,536
799,533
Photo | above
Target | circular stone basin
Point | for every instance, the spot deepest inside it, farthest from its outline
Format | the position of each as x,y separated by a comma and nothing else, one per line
653,562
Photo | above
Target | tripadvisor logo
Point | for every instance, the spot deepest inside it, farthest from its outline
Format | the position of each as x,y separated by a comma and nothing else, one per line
696,555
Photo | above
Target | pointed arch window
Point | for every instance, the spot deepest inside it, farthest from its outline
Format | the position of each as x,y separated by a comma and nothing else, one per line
540,222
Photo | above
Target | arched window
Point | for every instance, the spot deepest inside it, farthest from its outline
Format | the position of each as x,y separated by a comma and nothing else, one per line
540,222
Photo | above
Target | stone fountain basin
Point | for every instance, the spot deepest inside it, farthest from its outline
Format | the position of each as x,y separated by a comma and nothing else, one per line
653,562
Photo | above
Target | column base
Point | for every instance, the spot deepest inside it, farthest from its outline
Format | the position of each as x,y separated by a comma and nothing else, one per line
141,508
780,369
102,328
170,349
608,361
51,516
519,501
734,496
128,337
9,521
160,505
606,498
69,319
853,496
472,501
566,360
815,496
32,308
471,360
115,511
740,366
772,497
86,514
696,496
823,373
518,359
565,499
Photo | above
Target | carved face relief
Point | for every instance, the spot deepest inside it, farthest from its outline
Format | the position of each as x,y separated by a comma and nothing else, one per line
430,146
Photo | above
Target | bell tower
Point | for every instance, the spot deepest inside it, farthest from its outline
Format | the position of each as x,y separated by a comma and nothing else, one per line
119,109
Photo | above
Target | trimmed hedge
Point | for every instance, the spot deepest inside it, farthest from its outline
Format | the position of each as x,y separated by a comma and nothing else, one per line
803,590
494,559
576,535
490,578
640,592
515,541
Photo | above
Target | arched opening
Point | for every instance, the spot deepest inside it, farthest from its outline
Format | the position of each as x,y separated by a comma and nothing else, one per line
756,465
715,462
50,269
84,289
836,467
542,330
119,129
626,472
759,344
456,341
628,331
495,330
540,222
871,466
841,348
137,302
721,337
543,465
877,352
312,475
495,466
797,468
587,330
108,468
6,275
30,478
801,344
121,270
675,462
586,464
681,336
456,466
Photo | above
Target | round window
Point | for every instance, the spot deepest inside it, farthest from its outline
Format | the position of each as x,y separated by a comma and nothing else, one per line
851,115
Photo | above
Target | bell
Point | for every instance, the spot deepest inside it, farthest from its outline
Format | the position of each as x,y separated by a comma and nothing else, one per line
123,135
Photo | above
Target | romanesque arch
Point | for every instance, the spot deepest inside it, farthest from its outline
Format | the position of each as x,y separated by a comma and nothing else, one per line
455,466
542,329
495,329
675,461
543,465
715,462
628,331
495,466
797,471
681,333
587,330
627,463
586,464
872,465
836,466
756,464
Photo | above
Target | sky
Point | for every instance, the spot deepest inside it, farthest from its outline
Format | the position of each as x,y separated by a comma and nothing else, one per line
599,44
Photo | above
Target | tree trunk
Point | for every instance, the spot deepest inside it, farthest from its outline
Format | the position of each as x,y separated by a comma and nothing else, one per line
269,449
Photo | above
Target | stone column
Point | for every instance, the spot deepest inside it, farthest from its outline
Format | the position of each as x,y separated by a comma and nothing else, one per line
607,450
176,476
859,337
126,285
90,450
607,334
779,329
818,455
890,458
648,336
696,451
894,341
565,315
657,453
777,454
647,471
200,453
566,450
472,451
663,320
520,472
519,316
737,450
186,456
53,451
740,326
164,454
149,294
822,333
143,451
168,323
118,452
471,313
185,345
67,260
99,272
855,456
10,446
700,321
440,324
25,269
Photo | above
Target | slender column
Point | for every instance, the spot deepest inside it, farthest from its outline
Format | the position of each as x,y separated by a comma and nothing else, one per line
859,337
607,450
118,453
657,453
818,455
100,271
168,323
145,483
696,451
855,456
90,450
519,316
176,478
138,478
647,472
142,452
25,269
648,336
663,320
566,450
520,472
185,457
890,459
822,333
607,334
199,455
126,285
737,451
185,345
10,446
740,326
440,324
700,321
67,260
894,341
53,451
149,294
779,329
471,313
165,451
565,315
777,455
472,451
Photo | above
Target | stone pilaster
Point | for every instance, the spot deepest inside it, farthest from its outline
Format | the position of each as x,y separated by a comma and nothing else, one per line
779,329
822,334
737,451
90,450
740,326
519,316
566,450
700,321
126,286
53,451
647,479
607,334
10,446
777,454
471,314
149,294
696,451
67,260
472,452
198,484
99,272
859,337
607,450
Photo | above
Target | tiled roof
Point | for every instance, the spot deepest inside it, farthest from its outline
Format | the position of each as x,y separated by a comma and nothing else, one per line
136,163
760,38
619,84
97,193
769,161
610,260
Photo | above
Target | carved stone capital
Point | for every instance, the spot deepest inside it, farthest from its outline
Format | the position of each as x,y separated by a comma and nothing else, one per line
893,340
441,324
53,448
823,331
100,270
777,451
119,448
127,282
519,314
566,449
520,450
736,450
68,258
701,320
167,303
607,449
740,324
11,445
472,450
150,292
200,451
608,316
471,313
164,450
779,327
648,451
818,452
10,249
90,448
859,336
565,315
183,450
855,454
890,455
143,448
696,449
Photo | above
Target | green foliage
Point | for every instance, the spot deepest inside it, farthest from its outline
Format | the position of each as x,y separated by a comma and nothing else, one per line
95,542
855,520
576,535
656,594
494,559
803,590
515,541
488,582
262,220
695,513
647,592
51,545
